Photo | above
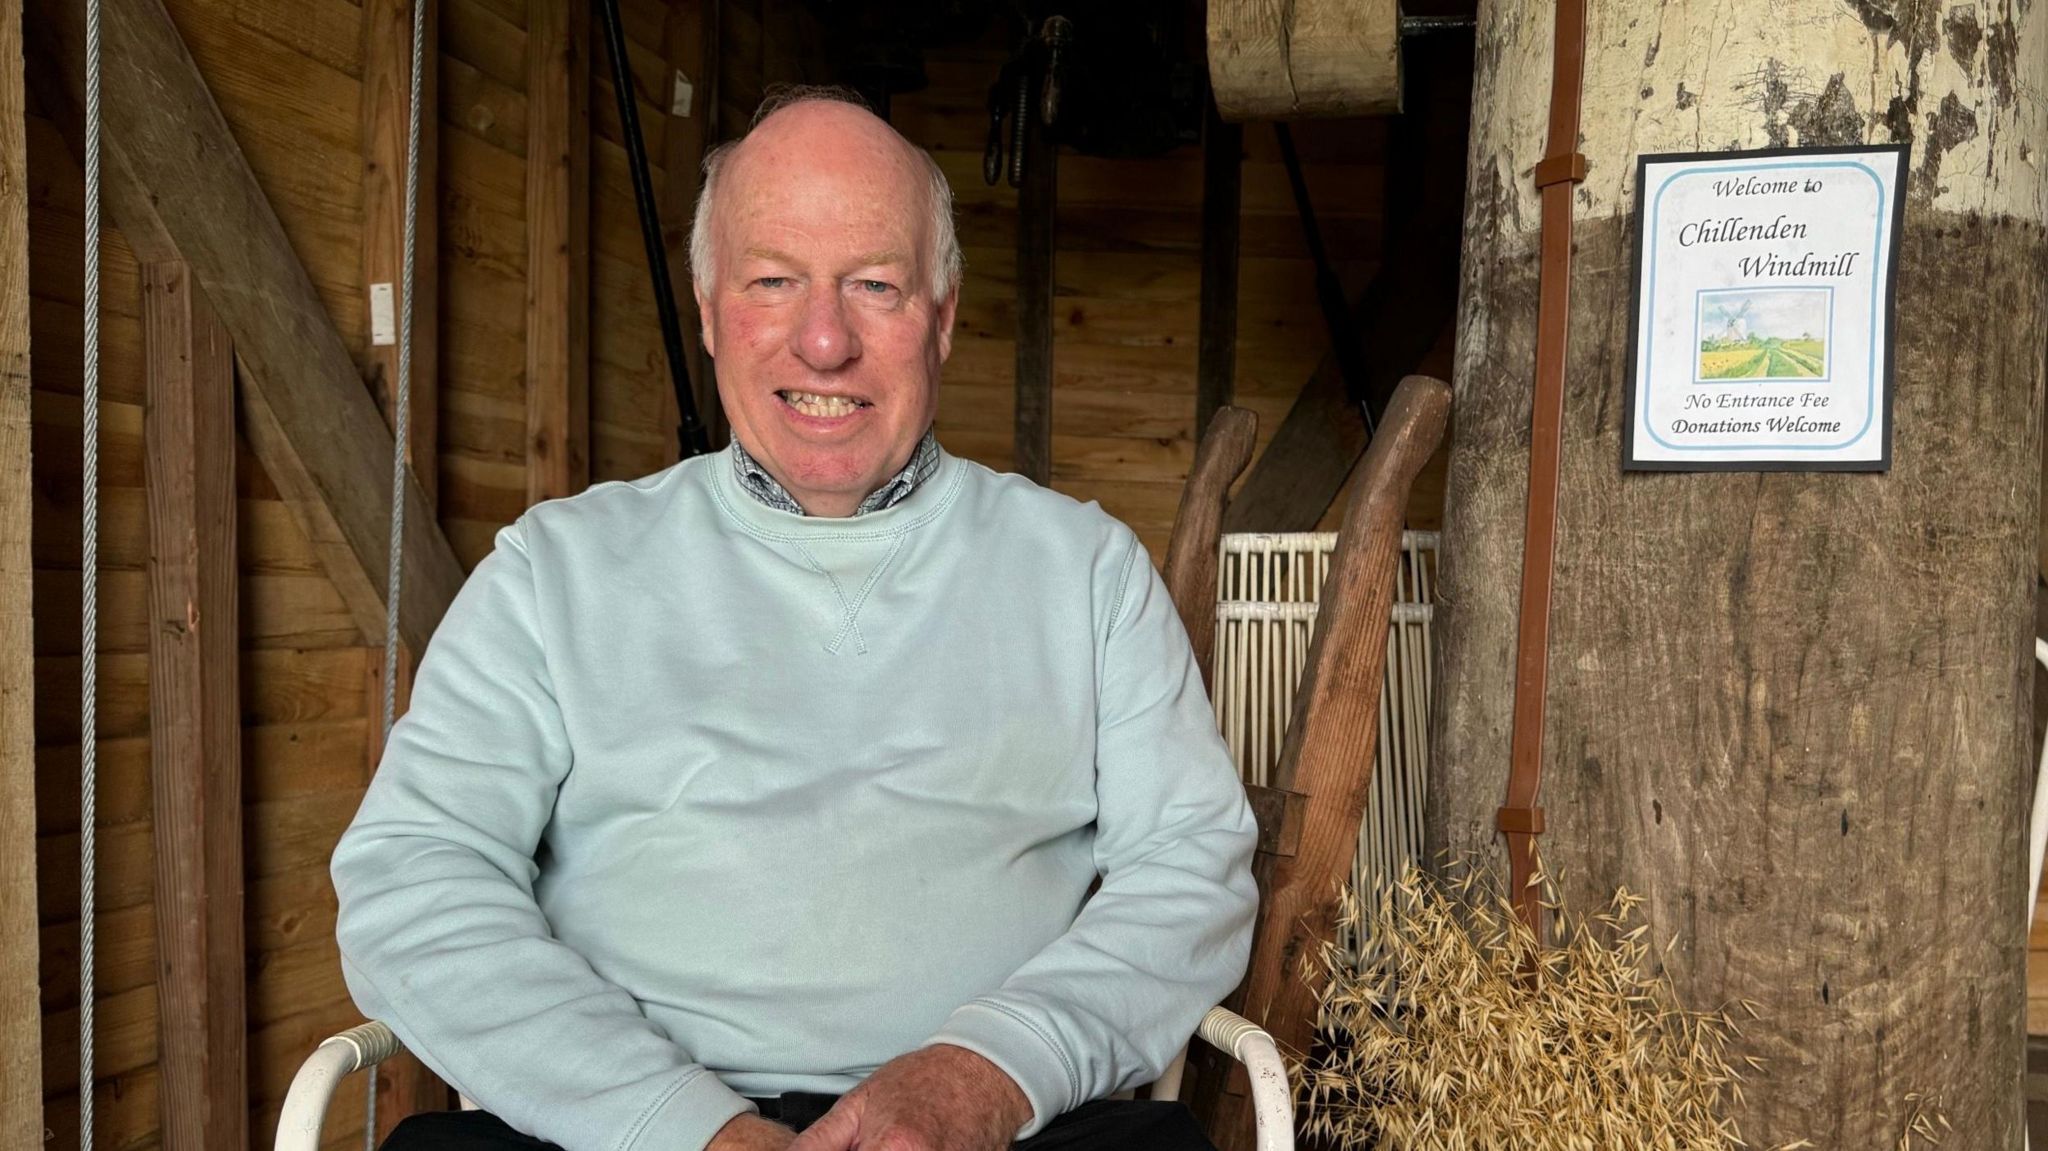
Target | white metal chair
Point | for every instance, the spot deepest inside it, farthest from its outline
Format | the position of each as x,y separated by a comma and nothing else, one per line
367,1044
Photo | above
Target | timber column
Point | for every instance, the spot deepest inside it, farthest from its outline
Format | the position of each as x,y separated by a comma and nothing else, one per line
1790,708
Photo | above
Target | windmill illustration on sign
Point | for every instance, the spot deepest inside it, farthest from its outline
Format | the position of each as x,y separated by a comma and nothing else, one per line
1764,334
1737,329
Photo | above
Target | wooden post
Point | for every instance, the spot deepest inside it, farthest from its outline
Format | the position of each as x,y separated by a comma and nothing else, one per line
1789,709
1216,356
387,92
195,714
690,45
21,1053
1036,205
557,249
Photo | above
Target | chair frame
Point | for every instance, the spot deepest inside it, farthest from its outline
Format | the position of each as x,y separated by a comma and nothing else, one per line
364,1046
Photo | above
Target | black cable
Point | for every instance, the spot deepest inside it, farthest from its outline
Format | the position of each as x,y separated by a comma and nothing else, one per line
1329,290
690,433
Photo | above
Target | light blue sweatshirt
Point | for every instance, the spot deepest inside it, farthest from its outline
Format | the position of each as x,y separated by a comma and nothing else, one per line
698,799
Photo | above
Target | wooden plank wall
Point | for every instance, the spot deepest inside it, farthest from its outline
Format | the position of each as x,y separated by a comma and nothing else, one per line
1128,294
288,77
21,1111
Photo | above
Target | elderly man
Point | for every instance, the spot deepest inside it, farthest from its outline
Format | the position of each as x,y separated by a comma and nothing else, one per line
827,782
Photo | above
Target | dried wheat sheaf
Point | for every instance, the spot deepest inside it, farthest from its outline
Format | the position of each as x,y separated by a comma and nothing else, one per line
1455,1032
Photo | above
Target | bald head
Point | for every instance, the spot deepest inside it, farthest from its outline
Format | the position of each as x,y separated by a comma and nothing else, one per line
823,138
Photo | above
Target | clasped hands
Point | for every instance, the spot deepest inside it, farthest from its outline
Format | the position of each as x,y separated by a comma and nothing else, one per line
938,1098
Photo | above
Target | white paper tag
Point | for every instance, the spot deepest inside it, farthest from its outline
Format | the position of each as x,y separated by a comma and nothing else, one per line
682,96
383,315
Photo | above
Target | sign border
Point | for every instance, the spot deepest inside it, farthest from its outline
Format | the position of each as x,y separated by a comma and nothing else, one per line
1890,285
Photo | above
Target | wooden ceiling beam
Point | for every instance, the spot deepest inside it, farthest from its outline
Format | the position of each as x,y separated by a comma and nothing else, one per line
180,179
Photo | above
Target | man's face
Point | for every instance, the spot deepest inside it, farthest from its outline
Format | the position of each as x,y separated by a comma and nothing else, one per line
819,307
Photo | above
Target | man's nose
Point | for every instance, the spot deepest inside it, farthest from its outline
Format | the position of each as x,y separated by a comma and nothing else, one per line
824,339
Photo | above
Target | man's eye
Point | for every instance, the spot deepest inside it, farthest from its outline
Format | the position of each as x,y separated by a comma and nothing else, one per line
875,287
772,281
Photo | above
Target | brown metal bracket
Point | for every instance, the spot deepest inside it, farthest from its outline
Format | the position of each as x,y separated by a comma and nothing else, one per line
1520,820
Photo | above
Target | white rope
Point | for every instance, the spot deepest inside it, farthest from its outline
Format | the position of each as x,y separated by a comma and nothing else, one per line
401,424
89,566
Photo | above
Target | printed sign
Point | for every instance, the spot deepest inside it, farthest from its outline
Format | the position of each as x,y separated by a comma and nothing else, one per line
1763,310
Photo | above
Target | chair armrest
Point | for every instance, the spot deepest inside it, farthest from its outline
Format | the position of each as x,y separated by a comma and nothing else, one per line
312,1089
1272,1095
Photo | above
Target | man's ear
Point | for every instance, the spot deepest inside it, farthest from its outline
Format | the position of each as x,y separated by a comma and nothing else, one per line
703,319
949,310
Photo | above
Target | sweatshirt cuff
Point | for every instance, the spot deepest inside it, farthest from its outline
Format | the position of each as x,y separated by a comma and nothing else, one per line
688,1116
1023,1051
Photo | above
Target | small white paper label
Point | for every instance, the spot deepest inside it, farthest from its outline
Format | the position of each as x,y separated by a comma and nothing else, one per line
383,315
682,97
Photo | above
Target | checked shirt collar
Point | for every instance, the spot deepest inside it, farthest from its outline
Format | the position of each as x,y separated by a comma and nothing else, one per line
924,460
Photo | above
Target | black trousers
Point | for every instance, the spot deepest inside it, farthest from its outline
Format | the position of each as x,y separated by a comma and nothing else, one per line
1108,1125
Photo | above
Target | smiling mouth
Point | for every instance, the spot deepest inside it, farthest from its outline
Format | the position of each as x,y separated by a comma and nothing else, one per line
821,406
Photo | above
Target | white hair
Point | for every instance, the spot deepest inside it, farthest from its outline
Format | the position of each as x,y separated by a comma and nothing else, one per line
946,262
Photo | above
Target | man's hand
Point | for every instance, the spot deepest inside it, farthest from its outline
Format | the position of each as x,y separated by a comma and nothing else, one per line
940,1098
751,1133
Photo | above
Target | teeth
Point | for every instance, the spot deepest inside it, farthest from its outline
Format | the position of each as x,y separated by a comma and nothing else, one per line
812,404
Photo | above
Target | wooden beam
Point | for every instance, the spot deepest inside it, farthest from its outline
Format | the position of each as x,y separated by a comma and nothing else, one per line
1216,357
387,94
558,43
194,713
21,1053
177,179
1037,203
1305,58
690,45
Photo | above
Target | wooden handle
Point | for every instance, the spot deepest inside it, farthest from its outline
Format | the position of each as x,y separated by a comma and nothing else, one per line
1328,754
1191,554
